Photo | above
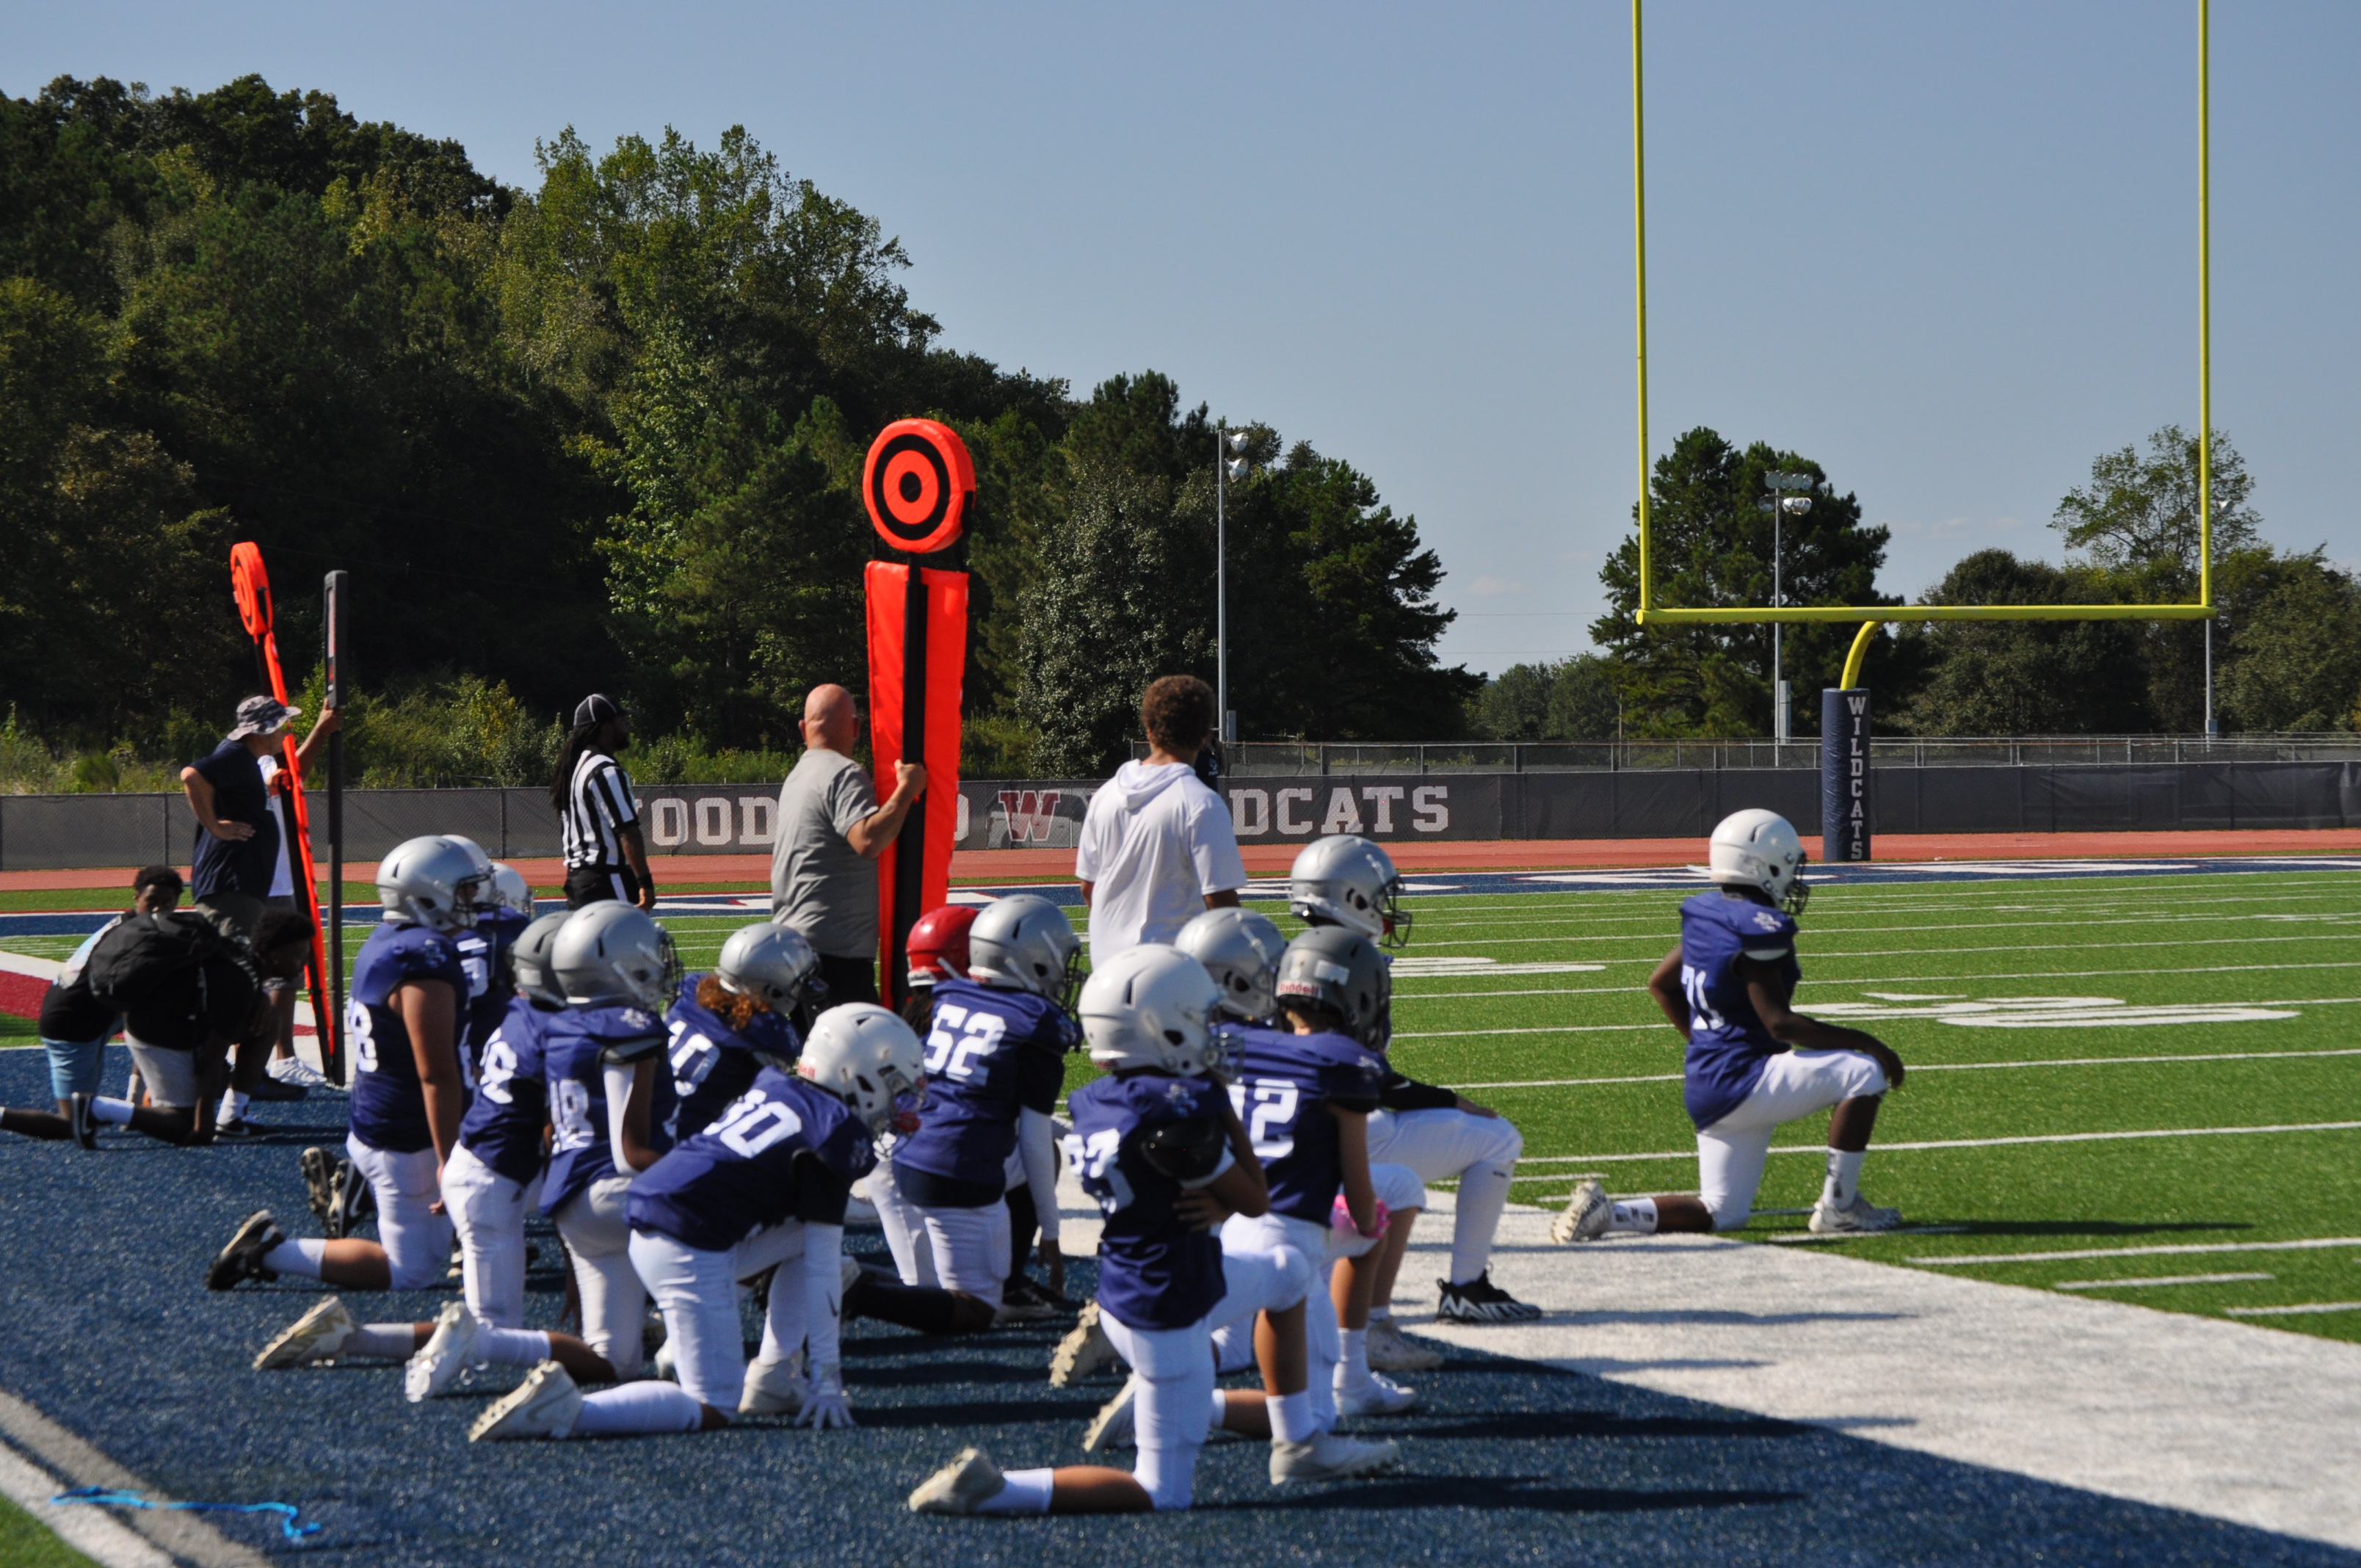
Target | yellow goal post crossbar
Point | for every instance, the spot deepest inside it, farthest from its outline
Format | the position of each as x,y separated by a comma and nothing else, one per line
1870,615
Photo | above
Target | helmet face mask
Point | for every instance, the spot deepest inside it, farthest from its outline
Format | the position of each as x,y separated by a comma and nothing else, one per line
1350,881
1150,1008
1025,942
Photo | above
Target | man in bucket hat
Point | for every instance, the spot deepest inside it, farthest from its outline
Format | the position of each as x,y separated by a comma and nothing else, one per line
237,837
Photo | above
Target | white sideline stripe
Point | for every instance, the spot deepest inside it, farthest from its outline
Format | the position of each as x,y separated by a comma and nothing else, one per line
1970,1143
2229,1417
172,1538
2153,1281
2308,1307
1547,1029
1797,1238
89,1531
1818,955
1944,1066
2173,1249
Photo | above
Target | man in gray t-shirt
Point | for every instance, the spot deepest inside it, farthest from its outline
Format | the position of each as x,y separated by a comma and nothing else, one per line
831,827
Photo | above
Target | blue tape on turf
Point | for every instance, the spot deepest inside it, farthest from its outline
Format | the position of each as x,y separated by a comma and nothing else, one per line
101,1494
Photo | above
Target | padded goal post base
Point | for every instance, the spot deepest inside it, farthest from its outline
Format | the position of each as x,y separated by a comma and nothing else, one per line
1844,774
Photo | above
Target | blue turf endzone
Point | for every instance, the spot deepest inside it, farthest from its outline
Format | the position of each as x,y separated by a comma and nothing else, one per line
112,1332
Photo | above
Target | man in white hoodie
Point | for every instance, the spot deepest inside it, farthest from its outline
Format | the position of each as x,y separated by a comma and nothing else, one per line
1157,847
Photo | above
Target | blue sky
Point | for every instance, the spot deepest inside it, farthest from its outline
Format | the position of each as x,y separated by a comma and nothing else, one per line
1949,251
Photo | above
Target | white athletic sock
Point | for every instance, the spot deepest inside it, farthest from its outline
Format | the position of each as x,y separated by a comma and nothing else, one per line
1291,1420
511,1347
1483,1197
1383,1313
300,1257
113,1112
1353,1368
1220,1410
1638,1215
386,1342
633,1409
233,1105
1843,1184
1025,1492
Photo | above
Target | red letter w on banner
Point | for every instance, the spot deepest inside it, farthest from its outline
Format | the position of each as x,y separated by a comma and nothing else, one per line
1031,814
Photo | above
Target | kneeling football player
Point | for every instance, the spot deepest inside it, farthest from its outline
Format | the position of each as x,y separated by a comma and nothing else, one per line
1753,1062
765,1186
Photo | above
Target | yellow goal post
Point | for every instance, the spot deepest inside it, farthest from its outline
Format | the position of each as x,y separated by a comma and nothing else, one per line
1872,616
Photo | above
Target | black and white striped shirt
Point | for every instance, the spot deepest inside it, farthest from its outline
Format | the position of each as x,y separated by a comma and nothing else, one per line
598,807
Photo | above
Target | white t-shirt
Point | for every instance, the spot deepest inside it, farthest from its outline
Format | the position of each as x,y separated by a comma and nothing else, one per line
282,880
1155,841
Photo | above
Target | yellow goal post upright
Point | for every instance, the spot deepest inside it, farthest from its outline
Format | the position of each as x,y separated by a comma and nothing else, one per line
1844,727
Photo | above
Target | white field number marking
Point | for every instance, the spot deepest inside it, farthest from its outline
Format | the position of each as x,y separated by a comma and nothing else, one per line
2047,1012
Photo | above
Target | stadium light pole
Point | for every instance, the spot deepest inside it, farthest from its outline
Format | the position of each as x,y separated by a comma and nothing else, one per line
1779,507
1229,463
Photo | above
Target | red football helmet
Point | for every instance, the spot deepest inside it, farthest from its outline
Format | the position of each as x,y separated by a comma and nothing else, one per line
938,944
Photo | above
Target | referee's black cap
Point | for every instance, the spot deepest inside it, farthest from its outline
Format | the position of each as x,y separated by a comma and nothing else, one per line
596,708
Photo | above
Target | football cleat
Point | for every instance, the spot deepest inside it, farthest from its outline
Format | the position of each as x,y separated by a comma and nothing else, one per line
1083,1352
546,1404
1389,1352
960,1487
774,1389
448,1351
275,1090
85,1125
1861,1217
355,1199
317,1335
299,1072
1328,1457
1112,1427
1480,1301
320,1186
1587,1214
242,1259
1021,1303
234,1128
1380,1396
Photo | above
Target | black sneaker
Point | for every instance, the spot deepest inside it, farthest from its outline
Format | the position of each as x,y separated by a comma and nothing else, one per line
235,1128
1482,1301
85,1125
1022,1301
319,1185
242,1259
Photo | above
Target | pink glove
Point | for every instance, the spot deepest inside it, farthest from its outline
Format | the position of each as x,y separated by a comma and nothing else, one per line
1340,1219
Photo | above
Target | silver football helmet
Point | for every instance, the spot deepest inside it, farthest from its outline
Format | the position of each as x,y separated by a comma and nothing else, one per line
866,1057
1342,972
772,962
529,958
1151,1006
1026,942
509,890
1351,882
614,955
430,882
1241,950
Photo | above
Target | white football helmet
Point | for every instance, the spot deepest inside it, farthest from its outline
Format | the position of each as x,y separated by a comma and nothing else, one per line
772,962
509,890
1025,941
614,955
529,958
1151,1006
430,882
1241,950
1348,882
866,1057
1759,849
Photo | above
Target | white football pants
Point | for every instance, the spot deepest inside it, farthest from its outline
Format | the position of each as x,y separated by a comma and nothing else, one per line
1795,1084
1398,1187
1481,1151
417,1241
697,1293
487,1209
614,1300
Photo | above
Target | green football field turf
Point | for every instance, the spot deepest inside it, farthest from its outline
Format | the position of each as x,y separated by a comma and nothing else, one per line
2040,1018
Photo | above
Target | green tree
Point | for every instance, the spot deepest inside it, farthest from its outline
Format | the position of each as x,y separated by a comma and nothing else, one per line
1569,699
2295,656
1710,546
2025,677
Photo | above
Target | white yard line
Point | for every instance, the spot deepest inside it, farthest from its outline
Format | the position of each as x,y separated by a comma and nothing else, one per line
2157,1281
2173,1249
1400,996
1967,1143
38,1452
1946,1066
2228,1420
2306,1309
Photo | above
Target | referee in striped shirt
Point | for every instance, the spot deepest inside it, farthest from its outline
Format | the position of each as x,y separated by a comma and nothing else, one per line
599,821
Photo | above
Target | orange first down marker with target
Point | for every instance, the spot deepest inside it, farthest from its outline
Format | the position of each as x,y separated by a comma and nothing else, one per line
918,482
